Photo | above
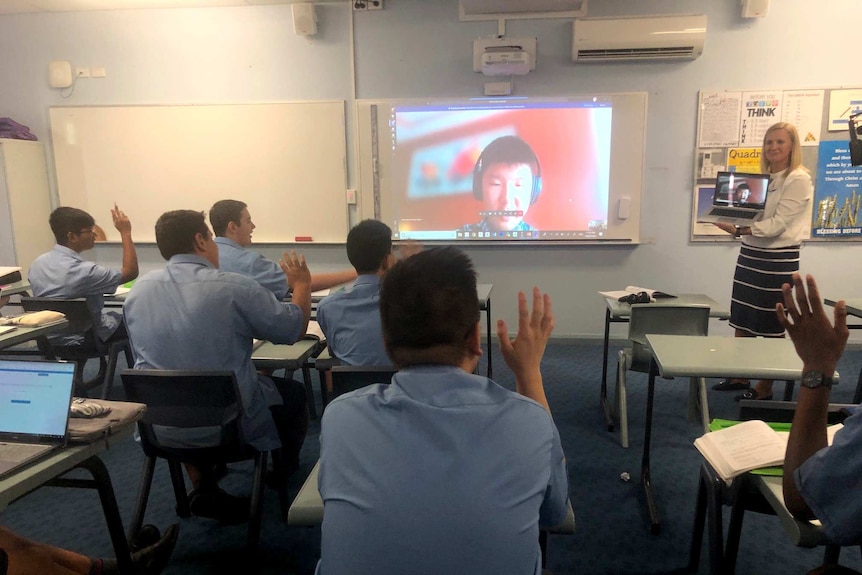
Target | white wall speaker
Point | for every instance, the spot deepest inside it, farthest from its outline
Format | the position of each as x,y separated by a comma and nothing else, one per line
304,19
624,208
754,8
60,74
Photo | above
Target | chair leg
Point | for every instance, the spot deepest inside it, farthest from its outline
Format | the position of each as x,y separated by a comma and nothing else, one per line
788,389
621,403
255,516
143,497
704,403
734,531
111,369
831,554
699,524
309,392
281,479
179,485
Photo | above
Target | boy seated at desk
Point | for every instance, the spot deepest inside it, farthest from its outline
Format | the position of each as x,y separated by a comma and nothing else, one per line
63,273
442,471
232,225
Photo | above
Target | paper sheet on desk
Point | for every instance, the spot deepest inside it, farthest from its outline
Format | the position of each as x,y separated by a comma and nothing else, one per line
321,293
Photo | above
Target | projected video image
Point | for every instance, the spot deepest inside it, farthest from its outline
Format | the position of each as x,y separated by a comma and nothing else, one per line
510,170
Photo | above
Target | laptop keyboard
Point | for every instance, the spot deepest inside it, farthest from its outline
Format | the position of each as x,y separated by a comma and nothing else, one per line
732,213
18,451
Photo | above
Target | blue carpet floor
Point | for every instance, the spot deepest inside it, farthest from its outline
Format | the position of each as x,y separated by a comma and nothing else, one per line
612,534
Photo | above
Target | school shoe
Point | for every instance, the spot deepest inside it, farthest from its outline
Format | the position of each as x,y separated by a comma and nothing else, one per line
215,503
153,559
728,385
752,394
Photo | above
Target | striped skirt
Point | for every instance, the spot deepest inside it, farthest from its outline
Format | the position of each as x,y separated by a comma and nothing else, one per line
760,272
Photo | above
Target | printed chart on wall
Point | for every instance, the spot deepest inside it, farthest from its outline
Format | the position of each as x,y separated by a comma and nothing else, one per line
730,130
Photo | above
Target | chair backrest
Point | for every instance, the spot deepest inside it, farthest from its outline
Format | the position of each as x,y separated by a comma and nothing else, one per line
352,377
666,320
185,399
76,310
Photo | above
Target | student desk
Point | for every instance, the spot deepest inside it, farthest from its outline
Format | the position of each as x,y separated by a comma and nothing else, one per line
49,470
273,356
711,356
854,308
619,312
21,287
307,510
23,334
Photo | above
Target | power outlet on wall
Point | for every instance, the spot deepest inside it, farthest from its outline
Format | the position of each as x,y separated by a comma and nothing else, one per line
368,5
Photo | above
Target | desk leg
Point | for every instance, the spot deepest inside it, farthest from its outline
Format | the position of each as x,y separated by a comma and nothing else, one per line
102,482
609,418
857,397
655,525
488,320
309,392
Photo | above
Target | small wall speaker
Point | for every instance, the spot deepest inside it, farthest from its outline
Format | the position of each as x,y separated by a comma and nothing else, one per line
624,208
60,74
754,8
304,19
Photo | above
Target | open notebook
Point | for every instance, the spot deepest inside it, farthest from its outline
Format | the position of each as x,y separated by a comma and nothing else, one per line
34,410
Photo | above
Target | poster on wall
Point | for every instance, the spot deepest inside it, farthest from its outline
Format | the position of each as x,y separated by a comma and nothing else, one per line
759,111
837,195
719,119
745,160
804,109
842,103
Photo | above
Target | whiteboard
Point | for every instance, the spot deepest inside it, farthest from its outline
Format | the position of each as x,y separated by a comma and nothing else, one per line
287,161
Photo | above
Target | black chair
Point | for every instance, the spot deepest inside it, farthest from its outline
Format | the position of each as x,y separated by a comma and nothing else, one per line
347,378
77,312
742,495
195,399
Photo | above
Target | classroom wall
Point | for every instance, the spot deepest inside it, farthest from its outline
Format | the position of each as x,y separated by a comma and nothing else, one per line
416,48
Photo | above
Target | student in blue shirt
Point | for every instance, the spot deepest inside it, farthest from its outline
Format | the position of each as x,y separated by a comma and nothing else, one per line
442,471
350,319
820,481
190,315
63,273
233,228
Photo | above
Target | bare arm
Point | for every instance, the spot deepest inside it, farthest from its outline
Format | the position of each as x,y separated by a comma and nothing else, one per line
298,277
819,345
329,280
130,256
524,354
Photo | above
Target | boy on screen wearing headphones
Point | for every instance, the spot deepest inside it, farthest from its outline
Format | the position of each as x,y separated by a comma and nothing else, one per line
507,179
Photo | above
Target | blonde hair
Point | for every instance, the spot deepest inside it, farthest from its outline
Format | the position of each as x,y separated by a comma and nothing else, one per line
795,148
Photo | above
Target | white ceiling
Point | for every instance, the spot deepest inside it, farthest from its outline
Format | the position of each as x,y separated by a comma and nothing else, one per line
20,6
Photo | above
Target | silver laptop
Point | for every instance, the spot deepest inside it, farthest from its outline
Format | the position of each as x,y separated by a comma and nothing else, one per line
34,410
738,199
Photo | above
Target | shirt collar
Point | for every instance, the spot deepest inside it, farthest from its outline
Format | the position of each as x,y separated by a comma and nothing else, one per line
67,251
367,279
227,242
190,259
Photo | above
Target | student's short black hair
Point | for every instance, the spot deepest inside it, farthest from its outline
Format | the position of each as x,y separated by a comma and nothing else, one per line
429,308
368,243
64,220
176,230
224,212
743,186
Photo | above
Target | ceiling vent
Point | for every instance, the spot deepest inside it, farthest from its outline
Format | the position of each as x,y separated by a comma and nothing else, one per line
638,38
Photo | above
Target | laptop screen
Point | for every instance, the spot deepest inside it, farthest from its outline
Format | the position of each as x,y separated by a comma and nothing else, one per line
741,190
34,399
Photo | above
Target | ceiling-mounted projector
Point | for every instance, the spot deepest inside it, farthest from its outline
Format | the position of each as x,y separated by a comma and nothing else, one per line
505,61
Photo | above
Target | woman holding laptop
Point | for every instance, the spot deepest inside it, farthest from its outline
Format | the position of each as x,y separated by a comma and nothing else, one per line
770,247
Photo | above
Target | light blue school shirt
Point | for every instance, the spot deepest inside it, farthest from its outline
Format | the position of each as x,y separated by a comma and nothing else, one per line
191,315
232,257
440,472
350,319
830,481
62,272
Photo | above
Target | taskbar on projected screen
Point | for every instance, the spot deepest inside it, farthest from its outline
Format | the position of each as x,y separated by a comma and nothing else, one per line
458,235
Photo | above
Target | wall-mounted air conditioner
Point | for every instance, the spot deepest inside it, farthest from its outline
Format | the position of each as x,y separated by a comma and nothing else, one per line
638,38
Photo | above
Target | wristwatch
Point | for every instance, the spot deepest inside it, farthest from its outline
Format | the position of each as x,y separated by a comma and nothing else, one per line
815,379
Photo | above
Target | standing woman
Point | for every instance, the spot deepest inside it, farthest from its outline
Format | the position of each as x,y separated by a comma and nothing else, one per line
770,247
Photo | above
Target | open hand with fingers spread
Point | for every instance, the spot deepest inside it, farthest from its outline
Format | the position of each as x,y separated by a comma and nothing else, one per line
819,343
295,268
524,354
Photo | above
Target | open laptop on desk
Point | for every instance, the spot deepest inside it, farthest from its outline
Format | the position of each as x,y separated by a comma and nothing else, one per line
739,199
34,410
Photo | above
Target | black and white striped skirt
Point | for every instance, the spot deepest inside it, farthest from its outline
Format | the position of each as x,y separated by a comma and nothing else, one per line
760,273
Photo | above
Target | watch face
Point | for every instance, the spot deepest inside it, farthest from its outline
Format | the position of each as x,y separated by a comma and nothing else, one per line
815,379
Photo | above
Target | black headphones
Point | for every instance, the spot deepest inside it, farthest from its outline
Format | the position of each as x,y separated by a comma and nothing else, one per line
502,150
640,297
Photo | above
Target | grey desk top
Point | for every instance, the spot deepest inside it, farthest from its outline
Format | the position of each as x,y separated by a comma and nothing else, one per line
16,287
21,334
802,533
620,309
43,470
717,356
854,305
290,357
307,508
